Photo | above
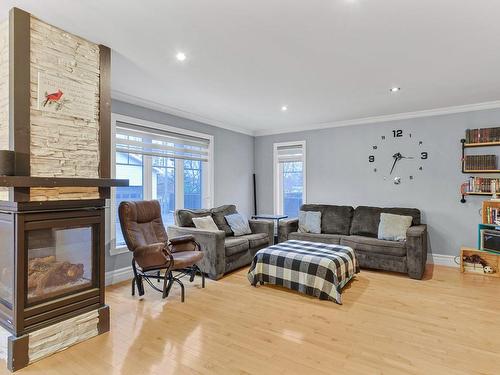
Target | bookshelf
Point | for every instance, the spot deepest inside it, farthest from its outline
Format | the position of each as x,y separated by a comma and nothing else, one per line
487,205
481,144
481,171
466,145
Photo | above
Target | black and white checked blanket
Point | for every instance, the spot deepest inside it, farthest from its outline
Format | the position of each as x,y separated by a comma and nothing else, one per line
317,269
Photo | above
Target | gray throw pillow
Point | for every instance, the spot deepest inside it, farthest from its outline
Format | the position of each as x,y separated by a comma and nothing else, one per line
393,227
310,221
239,225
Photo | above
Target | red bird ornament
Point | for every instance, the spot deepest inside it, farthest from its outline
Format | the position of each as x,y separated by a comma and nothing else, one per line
53,98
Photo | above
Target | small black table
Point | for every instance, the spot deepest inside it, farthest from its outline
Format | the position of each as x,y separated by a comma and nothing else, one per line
273,217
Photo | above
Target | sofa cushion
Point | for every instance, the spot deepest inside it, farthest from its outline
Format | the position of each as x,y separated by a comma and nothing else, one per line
235,245
365,221
256,239
313,237
413,212
334,219
184,217
374,245
219,213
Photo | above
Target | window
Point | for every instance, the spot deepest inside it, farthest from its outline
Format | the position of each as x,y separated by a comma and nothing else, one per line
289,177
164,163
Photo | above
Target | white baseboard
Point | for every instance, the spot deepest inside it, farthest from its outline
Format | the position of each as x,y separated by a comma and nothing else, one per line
126,273
442,260
119,275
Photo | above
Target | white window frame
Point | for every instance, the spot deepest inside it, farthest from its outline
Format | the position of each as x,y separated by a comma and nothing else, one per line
278,175
208,192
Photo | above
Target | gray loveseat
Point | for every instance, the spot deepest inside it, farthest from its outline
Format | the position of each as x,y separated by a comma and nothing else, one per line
223,251
358,229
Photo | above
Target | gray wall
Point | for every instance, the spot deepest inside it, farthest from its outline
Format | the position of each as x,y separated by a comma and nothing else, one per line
338,171
233,164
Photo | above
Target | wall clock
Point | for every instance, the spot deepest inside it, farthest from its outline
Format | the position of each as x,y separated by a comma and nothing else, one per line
398,156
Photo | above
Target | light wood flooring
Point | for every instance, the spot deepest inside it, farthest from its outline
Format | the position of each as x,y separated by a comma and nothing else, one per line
448,323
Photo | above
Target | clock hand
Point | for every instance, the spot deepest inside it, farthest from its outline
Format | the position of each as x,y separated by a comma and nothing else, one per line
394,164
405,157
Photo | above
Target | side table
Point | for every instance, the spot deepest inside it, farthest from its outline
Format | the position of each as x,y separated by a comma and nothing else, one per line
277,218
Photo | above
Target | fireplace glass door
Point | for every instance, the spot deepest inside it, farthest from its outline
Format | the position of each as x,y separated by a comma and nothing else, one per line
60,261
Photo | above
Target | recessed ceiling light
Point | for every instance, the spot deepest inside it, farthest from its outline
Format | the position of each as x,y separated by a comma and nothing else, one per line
395,89
284,108
181,56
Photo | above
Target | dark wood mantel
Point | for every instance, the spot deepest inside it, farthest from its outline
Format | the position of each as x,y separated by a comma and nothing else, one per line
27,181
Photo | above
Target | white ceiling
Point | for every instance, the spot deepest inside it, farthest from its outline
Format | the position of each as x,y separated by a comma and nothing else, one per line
330,62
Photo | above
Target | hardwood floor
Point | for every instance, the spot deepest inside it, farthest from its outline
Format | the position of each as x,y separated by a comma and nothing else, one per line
448,323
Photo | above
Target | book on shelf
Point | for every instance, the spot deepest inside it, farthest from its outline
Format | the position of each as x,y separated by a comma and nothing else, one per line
492,215
482,184
482,135
480,162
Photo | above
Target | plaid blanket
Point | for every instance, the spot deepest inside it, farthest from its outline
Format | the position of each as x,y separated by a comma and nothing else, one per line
317,269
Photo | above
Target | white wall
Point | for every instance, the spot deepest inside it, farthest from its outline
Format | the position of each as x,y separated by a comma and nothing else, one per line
233,164
338,172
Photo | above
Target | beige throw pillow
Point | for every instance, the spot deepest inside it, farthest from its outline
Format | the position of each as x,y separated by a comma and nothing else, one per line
309,221
393,227
206,223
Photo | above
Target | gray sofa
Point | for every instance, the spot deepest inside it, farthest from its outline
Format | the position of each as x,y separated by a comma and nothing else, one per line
358,228
223,251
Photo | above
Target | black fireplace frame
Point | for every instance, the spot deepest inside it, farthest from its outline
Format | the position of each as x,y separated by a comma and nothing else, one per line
21,318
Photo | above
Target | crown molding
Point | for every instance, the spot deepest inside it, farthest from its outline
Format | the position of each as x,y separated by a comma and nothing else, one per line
131,99
385,118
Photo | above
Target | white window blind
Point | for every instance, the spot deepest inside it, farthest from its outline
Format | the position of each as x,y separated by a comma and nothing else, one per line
138,140
290,153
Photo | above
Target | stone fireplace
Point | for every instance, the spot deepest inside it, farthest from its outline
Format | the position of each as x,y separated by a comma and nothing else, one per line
55,115
52,266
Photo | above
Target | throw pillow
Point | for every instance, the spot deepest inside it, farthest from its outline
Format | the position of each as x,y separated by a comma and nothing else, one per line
219,213
393,227
310,221
239,225
205,222
184,217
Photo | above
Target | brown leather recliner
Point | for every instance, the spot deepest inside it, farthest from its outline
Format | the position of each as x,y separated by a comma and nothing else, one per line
145,235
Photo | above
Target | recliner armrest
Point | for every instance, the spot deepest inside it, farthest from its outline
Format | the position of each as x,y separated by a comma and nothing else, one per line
152,255
181,239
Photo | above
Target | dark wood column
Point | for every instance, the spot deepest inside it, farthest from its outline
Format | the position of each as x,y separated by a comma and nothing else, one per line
104,117
19,93
105,111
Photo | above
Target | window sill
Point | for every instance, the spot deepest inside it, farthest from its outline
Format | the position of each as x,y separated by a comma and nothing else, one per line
118,250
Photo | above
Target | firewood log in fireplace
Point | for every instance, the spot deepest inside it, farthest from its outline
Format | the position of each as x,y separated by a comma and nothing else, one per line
47,272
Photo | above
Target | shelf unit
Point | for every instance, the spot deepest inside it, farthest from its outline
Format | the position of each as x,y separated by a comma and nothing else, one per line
481,144
481,171
484,211
476,193
493,261
475,171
